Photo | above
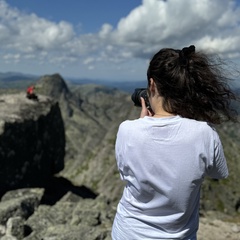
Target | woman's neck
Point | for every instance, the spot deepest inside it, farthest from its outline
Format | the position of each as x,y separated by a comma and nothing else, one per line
159,111
162,114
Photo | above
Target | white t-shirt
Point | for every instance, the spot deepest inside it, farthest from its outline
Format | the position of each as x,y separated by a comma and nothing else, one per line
164,161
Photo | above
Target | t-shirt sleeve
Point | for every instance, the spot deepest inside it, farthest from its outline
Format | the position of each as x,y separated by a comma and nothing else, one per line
218,168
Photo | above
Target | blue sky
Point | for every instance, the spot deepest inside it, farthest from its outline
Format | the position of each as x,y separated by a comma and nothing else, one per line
111,40
89,14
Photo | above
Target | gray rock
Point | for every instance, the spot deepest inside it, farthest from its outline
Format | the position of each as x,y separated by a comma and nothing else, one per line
8,237
15,227
22,204
2,230
71,219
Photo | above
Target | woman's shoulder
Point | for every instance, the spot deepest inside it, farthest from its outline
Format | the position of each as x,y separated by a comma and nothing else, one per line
194,122
132,125
200,126
129,123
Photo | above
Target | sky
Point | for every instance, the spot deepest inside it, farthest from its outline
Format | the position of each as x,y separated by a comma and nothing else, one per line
111,40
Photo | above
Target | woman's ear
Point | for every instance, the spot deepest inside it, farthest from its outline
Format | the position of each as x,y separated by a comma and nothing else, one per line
152,85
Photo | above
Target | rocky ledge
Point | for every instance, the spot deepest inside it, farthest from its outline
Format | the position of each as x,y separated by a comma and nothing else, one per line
32,141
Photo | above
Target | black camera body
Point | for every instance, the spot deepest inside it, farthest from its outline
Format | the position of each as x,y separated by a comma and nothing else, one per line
136,97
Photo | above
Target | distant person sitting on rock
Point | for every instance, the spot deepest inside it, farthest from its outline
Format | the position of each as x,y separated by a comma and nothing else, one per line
31,94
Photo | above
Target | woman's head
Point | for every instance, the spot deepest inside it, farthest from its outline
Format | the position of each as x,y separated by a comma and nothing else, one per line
191,85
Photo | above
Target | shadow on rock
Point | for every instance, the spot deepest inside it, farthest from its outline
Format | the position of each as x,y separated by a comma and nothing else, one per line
57,187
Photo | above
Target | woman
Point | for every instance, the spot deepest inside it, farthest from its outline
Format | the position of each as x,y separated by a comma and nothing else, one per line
165,154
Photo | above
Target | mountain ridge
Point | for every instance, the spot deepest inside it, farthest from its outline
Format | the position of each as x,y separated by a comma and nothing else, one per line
127,86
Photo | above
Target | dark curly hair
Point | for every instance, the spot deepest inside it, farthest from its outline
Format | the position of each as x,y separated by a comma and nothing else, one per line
192,85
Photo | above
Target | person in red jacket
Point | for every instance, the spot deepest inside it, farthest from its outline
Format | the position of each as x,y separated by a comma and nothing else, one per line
31,94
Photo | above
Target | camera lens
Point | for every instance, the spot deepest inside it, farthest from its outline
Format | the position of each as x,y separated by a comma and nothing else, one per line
136,97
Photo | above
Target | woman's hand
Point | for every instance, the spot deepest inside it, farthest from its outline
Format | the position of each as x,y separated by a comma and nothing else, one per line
144,111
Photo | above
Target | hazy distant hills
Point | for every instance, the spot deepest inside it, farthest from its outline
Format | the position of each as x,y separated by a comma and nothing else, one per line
16,80
15,76
21,81
13,80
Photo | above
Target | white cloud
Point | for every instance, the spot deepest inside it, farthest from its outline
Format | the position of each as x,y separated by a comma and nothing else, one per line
11,56
29,33
88,60
173,23
91,67
105,30
208,24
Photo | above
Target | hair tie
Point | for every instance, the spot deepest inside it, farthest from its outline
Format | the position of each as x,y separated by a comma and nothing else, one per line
184,55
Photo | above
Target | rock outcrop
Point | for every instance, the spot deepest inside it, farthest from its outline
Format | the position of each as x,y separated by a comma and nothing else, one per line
32,141
24,215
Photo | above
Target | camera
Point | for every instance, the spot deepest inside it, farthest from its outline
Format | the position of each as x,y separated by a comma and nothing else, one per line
136,97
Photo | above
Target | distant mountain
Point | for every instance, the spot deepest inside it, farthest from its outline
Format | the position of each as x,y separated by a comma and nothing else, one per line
16,76
19,80
14,80
126,86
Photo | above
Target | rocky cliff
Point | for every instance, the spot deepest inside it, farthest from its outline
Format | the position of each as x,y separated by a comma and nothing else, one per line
32,141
